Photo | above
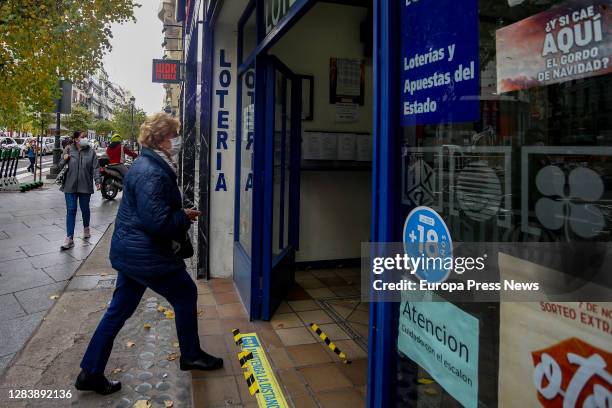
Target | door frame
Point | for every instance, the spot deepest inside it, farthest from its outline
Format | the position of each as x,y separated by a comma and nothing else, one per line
248,272
272,289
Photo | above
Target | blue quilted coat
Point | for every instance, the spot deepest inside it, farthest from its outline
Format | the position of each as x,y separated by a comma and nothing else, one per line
150,217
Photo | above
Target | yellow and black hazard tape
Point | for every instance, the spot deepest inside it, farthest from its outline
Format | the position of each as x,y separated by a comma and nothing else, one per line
251,383
244,357
258,373
330,343
237,337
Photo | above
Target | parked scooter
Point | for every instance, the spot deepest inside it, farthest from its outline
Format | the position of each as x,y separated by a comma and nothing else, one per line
8,169
112,180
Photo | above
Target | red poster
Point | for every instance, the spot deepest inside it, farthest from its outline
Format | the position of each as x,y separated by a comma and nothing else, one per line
572,373
555,355
570,41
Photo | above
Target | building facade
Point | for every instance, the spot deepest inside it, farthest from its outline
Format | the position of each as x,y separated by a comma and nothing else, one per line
99,95
318,132
173,50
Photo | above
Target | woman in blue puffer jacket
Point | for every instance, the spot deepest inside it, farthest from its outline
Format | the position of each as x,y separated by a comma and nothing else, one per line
145,250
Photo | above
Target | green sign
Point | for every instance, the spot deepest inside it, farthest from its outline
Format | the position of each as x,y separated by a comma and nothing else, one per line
443,340
274,11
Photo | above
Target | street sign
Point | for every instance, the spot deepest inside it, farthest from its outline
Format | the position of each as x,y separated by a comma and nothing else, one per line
64,104
167,71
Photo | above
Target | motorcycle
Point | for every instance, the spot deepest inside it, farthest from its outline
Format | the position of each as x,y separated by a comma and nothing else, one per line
112,180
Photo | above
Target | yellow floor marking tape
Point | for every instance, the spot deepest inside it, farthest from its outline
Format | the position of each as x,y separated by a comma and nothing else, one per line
237,336
251,383
244,357
329,343
259,374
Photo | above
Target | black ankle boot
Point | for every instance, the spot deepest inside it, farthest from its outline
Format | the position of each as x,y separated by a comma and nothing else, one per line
204,362
96,383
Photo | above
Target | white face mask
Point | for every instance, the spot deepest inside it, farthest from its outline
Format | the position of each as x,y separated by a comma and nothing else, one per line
84,142
176,146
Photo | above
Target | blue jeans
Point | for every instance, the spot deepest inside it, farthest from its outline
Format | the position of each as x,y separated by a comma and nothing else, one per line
71,210
180,291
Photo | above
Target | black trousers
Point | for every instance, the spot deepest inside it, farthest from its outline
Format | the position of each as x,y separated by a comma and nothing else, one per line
177,287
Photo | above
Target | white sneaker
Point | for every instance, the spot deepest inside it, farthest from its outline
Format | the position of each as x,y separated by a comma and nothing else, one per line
86,233
68,243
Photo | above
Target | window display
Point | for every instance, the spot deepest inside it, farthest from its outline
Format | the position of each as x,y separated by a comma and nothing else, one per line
531,164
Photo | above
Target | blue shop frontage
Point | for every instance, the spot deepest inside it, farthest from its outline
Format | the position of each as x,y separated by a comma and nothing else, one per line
312,127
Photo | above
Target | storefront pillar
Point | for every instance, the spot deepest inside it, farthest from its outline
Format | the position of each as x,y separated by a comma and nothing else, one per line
385,179
189,120
203,263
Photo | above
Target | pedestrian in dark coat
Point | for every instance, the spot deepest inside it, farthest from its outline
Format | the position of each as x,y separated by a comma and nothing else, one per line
83,170
151,225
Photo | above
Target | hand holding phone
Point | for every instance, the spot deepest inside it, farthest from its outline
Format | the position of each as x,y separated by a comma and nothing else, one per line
192,213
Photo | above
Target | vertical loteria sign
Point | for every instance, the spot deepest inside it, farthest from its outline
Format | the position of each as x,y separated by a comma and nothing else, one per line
222,117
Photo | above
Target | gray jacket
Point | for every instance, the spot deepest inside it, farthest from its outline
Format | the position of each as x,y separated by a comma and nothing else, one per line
83,168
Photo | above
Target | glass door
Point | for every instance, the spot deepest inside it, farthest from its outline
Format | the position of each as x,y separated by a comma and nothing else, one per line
243,225
248,192
281,196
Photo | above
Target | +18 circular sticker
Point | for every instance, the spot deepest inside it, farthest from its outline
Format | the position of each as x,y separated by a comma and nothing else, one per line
426,236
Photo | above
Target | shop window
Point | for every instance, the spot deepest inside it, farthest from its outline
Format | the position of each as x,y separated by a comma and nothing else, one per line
249,36
505,122
282,168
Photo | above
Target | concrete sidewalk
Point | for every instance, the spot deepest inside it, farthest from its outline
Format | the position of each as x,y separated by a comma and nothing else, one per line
32,268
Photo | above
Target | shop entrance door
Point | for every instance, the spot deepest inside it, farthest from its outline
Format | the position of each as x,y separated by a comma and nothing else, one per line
282,179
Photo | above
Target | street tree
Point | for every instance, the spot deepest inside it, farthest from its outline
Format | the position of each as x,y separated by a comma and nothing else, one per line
79,119
122,121
42,41
102,127
21,119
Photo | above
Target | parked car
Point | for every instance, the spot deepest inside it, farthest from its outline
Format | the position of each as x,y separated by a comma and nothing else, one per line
48,144
8,142
21,142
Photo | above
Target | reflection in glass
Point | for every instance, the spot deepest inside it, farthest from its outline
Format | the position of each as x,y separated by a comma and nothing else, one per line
535,167
280,130
249,37
246,159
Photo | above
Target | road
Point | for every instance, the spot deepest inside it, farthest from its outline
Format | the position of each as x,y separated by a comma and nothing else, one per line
22,173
